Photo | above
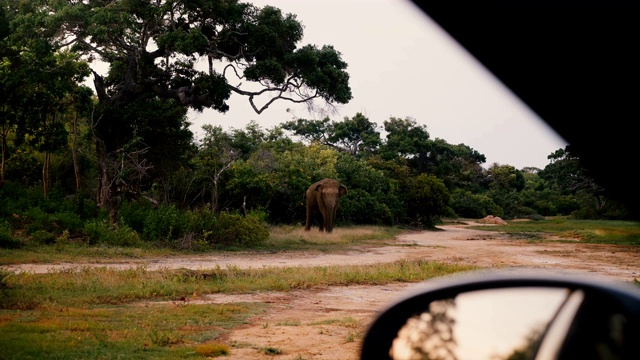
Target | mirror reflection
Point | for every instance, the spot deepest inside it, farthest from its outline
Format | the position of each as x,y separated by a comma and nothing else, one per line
480,325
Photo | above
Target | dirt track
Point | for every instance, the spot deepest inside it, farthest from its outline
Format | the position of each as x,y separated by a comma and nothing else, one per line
328,323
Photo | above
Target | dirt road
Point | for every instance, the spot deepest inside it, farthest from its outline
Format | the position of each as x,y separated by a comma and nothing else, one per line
328,323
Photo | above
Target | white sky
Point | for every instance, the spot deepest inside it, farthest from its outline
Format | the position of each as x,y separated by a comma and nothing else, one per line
402,64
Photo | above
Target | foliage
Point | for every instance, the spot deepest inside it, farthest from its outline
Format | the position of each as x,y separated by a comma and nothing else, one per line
232,230
589,231
475,206
164,223
7,241
429,201
355,136
370,199
101,232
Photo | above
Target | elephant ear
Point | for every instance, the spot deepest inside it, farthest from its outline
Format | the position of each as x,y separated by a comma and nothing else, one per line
342,191
317,187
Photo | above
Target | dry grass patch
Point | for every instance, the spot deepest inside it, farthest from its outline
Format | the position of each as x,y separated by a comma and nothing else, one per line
347,322
295,238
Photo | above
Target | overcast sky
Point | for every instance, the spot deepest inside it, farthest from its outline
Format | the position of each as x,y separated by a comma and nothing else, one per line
401,64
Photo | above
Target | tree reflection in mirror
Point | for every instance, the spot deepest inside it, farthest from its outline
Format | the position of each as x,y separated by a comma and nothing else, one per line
480,325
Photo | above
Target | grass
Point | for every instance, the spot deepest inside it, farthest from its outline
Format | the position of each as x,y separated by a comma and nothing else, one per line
282,238
102,285
585,231
107,332
347,322
289,323
295,238
99,313
58,253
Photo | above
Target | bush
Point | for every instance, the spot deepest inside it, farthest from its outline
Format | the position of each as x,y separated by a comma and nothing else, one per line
165,223
6,240
100,232
38,220
359,207
43,237
566,205
237,230
201,220
135,214
544,208
429,200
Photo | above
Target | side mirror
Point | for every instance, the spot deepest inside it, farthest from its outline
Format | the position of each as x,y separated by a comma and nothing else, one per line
502,316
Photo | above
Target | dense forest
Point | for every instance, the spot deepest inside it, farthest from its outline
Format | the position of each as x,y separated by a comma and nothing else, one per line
117,163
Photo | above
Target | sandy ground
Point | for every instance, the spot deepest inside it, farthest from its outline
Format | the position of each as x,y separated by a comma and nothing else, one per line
329,322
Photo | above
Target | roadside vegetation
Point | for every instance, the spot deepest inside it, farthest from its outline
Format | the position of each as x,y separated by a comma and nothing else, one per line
564,229
281,238
96,312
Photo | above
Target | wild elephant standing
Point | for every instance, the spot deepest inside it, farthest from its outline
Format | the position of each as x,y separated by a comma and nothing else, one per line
324,196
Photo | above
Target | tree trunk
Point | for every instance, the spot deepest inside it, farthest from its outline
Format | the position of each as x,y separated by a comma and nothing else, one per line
104,194
214,195
244,205
598,202
76,170
166,187
45,173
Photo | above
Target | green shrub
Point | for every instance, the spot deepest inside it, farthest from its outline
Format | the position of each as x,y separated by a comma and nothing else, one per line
359,207
544,207
165,223
68,221
100,232
474,206
135,214
429,200
43,237
201,220
38,220
237,230
6,240
83,206
566,205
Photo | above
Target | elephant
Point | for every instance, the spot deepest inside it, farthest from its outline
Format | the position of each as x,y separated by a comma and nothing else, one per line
323,196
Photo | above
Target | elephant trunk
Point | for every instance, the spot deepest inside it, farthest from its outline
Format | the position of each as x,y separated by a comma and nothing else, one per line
330,218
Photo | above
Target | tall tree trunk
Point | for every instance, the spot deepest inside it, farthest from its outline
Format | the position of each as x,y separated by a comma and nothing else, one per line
45,173
76,169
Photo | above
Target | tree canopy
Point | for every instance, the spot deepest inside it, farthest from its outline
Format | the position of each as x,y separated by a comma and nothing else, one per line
155,48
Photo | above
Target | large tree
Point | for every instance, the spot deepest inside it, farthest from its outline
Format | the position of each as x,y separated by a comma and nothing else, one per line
153,48
354,135
39,84
566,174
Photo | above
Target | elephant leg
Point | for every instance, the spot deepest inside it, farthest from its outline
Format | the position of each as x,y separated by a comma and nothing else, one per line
332,220
323,217
307,225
